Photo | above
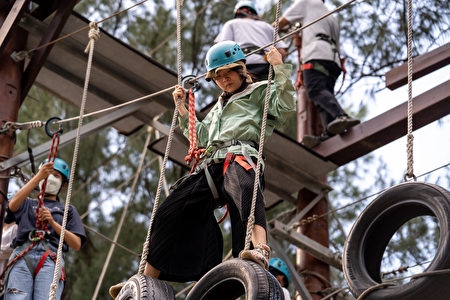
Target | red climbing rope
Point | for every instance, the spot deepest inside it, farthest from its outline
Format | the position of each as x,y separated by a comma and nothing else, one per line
194,153
51,158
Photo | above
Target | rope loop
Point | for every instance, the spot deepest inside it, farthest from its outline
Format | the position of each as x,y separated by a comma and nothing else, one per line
94,35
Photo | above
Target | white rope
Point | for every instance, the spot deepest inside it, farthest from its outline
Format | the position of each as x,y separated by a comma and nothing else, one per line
124,213
168,146
56,275
251,218
410,137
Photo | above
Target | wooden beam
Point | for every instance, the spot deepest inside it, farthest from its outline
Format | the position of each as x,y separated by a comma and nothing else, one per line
387,127
307,244
8,26
40,56
422,65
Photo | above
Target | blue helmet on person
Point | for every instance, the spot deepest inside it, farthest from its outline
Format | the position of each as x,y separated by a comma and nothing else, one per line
245,3
222,54
280,265
59,165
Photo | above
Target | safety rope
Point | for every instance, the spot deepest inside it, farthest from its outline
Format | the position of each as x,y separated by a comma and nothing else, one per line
194,154
94,35
146,246
409,144
124,213
251,218
51,158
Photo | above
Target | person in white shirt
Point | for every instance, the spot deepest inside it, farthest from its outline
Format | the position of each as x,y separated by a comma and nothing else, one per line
321,65
279,269
247,30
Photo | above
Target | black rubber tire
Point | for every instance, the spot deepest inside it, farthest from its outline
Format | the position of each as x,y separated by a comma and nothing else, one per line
372,231
234,278
141,287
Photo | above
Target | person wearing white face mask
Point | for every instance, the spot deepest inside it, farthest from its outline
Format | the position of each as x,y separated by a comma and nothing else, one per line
32,274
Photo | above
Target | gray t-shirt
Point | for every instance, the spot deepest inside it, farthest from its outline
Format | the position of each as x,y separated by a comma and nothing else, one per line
248,32
306,11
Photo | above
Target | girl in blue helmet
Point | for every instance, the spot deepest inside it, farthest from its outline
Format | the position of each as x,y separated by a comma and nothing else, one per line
186,240
279,269
31,275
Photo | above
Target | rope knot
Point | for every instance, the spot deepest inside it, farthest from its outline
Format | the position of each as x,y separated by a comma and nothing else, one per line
94,35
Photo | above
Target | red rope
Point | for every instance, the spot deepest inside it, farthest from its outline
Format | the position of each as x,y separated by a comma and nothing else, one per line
51,158
194,153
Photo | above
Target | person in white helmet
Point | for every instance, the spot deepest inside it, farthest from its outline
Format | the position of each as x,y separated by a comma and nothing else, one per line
247,30
321,65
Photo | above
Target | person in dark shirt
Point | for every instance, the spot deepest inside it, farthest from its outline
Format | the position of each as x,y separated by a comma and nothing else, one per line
31,275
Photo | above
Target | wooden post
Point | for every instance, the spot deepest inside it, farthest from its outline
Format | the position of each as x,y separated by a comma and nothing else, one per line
10,86
316,273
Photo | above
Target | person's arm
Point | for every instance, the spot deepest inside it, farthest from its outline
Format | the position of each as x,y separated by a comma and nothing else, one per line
283,22
179,94
73,240
283,53
22,194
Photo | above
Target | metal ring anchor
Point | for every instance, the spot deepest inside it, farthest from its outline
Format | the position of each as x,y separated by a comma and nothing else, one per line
189,82
49,123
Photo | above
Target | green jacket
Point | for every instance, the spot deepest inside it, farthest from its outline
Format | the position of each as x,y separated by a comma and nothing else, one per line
241,118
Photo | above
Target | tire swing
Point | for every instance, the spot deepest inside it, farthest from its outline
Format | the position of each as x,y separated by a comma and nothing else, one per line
142,287
234,278
374,228
372,231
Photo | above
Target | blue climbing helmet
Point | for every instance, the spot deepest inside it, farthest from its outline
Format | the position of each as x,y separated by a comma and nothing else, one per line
59,165
223,53
281,266
245,3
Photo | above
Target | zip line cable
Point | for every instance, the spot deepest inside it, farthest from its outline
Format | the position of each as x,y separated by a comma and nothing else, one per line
316,217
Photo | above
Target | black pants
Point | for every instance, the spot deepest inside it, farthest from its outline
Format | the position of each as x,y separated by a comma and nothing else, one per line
259,71
320,89
186,240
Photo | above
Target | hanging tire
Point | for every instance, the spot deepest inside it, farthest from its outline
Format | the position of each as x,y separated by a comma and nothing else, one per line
234,278
374,228
141,287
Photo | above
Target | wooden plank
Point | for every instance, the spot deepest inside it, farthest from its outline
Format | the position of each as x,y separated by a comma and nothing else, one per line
39,57
305,243
387,127
422,65
11,21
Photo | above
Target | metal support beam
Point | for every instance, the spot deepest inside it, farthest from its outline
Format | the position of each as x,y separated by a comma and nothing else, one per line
8,26
53,31
67,138
305,243
305,210
295,277
387,127
422,65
